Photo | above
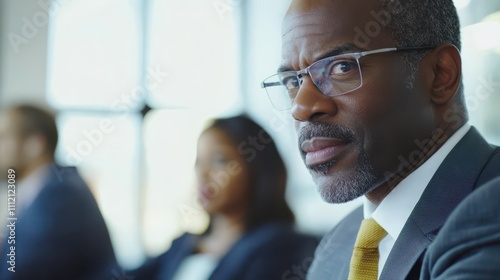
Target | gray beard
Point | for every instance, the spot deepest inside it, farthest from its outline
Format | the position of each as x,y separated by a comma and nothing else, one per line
345,187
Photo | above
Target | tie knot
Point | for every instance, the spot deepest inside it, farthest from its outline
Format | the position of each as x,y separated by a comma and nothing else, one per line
370,234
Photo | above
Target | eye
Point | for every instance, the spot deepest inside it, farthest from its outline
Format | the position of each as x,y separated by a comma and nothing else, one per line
292,93
290,82
343,67
220,160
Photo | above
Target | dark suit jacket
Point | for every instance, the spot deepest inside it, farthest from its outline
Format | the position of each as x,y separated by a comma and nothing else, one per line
468,246
273,251
471,163
61,235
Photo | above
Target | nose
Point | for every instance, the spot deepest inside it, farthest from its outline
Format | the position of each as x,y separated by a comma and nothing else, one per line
310,104
202,170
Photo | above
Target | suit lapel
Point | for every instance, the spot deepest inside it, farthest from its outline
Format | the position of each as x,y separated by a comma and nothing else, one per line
178,252
240,253
452,182
343,257
333,255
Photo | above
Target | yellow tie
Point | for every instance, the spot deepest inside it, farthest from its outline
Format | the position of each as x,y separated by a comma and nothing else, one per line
364,261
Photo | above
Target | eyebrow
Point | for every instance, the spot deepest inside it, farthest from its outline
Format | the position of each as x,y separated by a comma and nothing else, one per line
346,48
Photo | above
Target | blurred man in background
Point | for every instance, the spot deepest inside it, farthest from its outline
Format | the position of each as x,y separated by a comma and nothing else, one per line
59,232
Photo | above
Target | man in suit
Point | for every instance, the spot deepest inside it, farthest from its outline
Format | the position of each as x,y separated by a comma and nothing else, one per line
59,232
375,89
468,246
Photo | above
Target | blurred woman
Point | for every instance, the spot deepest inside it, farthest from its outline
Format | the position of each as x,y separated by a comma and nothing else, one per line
241,184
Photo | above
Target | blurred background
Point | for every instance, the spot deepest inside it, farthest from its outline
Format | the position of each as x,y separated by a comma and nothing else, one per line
134,81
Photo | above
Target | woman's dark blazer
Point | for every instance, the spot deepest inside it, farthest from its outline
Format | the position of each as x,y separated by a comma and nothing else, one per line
272,251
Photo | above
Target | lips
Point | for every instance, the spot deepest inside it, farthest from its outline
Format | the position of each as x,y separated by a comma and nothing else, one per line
204,193
321,150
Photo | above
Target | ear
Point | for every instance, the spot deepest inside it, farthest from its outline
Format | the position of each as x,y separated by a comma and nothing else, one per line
447,73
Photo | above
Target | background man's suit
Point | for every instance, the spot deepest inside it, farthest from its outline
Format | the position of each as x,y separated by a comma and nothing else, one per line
471,163
468,246
62,234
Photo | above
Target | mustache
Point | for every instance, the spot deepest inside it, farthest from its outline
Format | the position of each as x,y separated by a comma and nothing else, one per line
326,130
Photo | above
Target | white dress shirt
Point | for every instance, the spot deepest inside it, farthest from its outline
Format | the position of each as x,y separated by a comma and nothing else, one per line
405,196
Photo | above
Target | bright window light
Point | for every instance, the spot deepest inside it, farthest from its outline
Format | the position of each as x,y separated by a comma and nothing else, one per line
104,147
94,54
479,35
461,4
194,45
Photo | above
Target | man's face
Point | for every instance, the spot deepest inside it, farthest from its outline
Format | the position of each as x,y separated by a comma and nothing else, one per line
351,142
10,143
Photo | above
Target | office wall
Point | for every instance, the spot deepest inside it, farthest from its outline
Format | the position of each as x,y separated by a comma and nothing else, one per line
23,50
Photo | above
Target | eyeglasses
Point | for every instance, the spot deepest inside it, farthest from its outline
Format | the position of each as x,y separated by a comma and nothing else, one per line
333,76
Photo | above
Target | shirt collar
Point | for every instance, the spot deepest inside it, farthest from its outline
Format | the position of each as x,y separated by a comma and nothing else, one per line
406,194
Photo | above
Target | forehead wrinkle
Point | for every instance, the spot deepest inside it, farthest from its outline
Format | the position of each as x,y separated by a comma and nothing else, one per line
301,37
331,49
306,19
304,35
309,27
312,30
302,27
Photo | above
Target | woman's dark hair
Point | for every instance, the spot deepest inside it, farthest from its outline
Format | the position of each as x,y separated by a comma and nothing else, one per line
267,170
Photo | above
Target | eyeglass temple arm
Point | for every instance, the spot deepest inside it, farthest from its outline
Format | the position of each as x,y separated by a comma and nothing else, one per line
416,48
378,51
397,50
264,84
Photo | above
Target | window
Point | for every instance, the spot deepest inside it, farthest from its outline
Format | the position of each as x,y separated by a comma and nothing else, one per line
134,82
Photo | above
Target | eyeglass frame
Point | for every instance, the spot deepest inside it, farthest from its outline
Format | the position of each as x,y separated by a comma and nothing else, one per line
357,55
